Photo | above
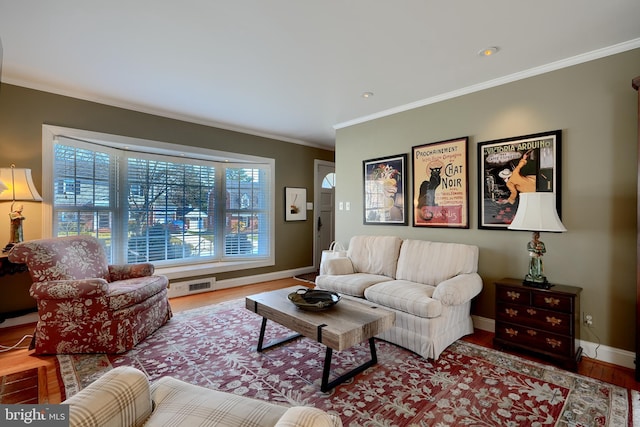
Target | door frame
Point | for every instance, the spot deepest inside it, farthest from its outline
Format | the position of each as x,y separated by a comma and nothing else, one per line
317,187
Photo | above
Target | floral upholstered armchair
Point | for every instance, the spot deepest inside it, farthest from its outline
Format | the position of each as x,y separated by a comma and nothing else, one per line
86,305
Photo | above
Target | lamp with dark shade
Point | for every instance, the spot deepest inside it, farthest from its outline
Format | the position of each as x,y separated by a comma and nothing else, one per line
537,212
18,186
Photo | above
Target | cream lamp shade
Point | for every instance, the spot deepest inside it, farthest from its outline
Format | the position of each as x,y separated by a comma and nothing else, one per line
537,212
18,184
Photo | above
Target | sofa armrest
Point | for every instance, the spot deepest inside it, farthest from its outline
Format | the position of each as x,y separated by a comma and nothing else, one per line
458,289
178,403
121,397
338,266
303,416
130,271
69,289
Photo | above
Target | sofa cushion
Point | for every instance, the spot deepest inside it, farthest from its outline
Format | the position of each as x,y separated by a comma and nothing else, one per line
180,403
410,297
335,266
349,284
374,254
433,262
125,293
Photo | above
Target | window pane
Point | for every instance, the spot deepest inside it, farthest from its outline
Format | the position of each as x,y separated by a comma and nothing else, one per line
168,210
97,224
83,183
246,231
329,181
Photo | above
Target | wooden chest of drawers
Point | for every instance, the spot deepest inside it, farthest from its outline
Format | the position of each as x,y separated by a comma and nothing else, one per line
543,321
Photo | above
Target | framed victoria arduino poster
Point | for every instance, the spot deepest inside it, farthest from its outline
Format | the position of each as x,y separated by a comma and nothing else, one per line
508,167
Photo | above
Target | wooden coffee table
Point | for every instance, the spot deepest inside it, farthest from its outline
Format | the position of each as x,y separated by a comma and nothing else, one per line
344,325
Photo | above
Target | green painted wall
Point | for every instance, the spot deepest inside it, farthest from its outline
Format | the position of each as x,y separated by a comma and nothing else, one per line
596,108
23,112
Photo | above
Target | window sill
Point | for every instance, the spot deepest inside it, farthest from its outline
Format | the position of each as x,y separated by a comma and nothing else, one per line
205,269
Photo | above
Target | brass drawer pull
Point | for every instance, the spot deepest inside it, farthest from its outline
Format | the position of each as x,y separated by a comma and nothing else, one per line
511,312
553,321
552,301
553,343
513,295
511,332
532,311
531,332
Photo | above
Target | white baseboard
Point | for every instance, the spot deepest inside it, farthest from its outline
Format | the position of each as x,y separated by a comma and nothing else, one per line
249,280
591,350
19,320
484,323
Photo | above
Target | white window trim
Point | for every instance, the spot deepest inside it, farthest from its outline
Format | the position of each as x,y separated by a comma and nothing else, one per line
49,134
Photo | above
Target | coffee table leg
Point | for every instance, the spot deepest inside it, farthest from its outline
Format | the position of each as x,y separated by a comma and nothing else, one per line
263,327
326,385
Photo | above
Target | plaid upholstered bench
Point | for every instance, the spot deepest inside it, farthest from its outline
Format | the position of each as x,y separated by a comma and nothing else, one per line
124,397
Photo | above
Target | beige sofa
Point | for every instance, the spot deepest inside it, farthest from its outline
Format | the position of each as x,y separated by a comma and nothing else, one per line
429,285
123,397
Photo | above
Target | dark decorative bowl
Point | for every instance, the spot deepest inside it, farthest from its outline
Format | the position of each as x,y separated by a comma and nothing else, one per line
313,300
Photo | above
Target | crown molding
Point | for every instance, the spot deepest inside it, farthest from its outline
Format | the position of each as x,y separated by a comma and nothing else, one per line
44,87
568,62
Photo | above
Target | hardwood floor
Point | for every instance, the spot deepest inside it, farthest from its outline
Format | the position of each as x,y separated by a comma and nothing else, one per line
608,372
23,359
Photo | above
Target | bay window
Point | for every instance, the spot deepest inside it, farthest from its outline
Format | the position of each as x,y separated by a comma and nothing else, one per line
168,204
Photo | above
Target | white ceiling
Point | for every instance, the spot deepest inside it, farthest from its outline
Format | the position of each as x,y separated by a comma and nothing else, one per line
296,69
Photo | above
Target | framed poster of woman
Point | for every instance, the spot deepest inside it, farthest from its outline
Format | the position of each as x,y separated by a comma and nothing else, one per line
510,166
385,193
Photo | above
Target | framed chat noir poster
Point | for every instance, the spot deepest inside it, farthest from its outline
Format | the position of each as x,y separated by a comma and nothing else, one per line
441,184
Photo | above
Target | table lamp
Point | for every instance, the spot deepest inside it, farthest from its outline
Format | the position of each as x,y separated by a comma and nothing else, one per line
18,186
537,212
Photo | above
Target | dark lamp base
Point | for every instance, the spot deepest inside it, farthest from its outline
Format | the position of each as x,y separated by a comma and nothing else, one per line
539,285
8,247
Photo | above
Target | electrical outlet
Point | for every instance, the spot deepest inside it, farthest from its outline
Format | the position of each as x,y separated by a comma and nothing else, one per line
588,320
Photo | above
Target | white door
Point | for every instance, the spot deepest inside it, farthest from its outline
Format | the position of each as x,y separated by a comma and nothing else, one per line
324,208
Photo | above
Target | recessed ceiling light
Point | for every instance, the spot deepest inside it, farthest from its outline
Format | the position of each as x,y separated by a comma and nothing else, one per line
367,94
488,51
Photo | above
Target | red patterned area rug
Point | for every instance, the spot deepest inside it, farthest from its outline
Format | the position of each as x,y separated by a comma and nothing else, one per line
468,385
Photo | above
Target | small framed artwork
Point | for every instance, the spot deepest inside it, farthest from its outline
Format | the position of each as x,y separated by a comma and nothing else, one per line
508,167
295,204
385,195
441,184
